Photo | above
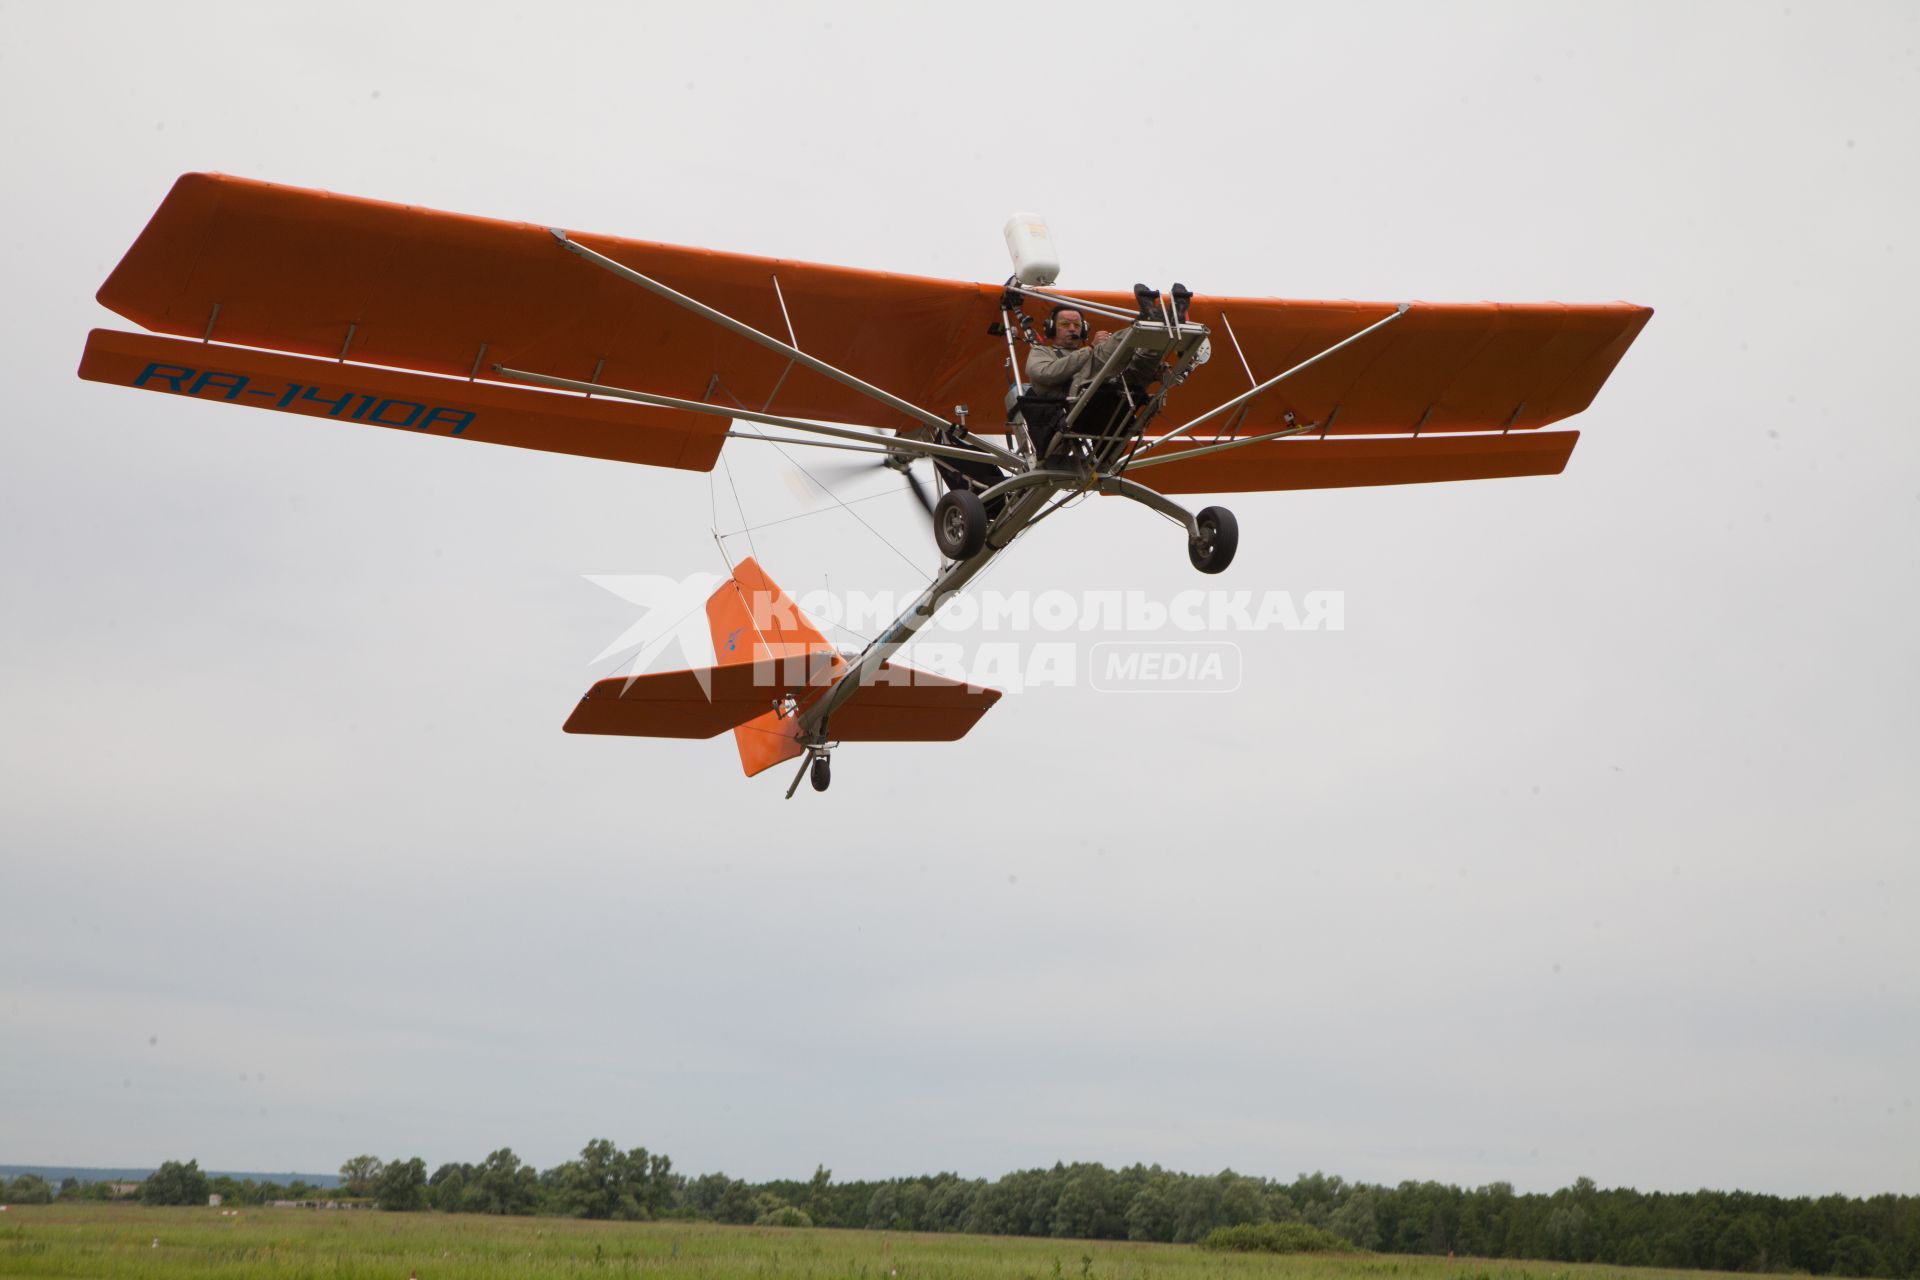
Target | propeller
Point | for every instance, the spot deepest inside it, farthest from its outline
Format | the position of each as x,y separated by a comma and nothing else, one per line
827,471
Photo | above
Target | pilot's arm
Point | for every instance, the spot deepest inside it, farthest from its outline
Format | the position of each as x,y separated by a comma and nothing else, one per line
1053,371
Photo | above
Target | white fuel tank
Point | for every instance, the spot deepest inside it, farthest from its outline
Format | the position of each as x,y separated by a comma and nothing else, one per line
1035,261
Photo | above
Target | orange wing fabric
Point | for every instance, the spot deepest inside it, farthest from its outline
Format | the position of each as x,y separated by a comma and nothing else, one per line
622,432
305,271
1340,464
902,705
1442,367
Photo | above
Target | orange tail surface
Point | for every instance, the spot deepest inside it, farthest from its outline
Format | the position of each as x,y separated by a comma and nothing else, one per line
754,621
772,662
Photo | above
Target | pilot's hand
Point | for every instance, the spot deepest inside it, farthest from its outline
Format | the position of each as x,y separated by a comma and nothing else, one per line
1103,336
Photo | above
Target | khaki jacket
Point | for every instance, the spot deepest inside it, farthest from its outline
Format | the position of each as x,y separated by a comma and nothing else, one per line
1066,373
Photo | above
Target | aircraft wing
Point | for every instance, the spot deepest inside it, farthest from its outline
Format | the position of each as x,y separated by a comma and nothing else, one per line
1309,463
329,277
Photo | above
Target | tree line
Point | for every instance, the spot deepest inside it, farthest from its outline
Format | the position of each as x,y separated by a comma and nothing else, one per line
1726,1231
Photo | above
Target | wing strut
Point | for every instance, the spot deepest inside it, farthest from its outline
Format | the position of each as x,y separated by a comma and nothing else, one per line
902,444
786,349
1270,383
1181,455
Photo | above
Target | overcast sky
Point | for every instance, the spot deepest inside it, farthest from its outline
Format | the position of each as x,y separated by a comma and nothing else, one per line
1587,847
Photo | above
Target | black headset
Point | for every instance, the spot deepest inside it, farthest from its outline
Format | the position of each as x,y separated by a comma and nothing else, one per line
1055,314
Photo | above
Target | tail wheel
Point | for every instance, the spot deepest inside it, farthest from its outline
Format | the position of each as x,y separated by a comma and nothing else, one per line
959,524
821,773
1219,538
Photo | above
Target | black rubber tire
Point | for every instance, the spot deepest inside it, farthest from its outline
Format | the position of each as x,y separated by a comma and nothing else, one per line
1219,538
821,774
959,524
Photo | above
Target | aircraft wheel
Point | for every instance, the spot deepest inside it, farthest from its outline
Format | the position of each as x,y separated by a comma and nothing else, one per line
959,524
1219,538
821,773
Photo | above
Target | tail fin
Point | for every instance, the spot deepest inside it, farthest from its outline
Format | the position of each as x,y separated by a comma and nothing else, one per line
753,620
769,654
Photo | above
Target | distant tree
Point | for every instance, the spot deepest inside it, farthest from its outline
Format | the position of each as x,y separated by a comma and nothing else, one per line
28,1188
1092,1205
359,1174
1273,1237
883,1208
1855,1256
175,1183
1155,1208
1355,1220
402,1185
817,1203
784,1216
949,1202
502,1184
447,1189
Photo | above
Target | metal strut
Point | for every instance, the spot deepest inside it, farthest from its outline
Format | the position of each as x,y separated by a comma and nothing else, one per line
772,343
1270,383
1181,455
905,444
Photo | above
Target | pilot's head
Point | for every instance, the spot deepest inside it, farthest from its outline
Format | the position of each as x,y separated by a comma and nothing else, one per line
1067,328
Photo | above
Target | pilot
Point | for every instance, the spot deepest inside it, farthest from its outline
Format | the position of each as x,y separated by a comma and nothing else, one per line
1067,366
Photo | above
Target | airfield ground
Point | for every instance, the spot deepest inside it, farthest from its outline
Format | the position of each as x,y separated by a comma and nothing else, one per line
112,1242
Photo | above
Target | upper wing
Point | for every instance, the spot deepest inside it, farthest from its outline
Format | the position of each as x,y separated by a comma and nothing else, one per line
1442,367
318,274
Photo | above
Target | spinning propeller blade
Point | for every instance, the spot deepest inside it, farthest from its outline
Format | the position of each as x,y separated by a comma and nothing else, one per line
829,471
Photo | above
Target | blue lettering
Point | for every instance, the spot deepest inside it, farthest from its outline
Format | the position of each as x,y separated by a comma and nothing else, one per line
231,383
338,405
414,411
460,418
174,373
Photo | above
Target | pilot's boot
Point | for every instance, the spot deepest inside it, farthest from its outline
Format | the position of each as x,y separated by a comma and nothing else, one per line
1148,300
1182,298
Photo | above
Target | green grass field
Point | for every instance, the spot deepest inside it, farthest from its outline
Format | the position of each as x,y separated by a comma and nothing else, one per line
120,1242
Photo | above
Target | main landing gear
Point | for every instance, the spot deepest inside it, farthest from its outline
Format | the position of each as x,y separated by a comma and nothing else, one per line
959,526
1219,537
820,772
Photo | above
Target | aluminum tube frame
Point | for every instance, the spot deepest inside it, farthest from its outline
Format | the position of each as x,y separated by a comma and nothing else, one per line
1027,499
1140,460
1067,300
809,444
1005,457
903,444
747,331
1032,479
1272,382
1021,510
1120,487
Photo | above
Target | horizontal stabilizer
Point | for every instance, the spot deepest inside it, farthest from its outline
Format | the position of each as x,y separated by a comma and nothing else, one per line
905,704
901,704
700,703
330,390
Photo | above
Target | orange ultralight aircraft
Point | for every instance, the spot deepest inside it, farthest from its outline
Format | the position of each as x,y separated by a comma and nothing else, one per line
382,314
